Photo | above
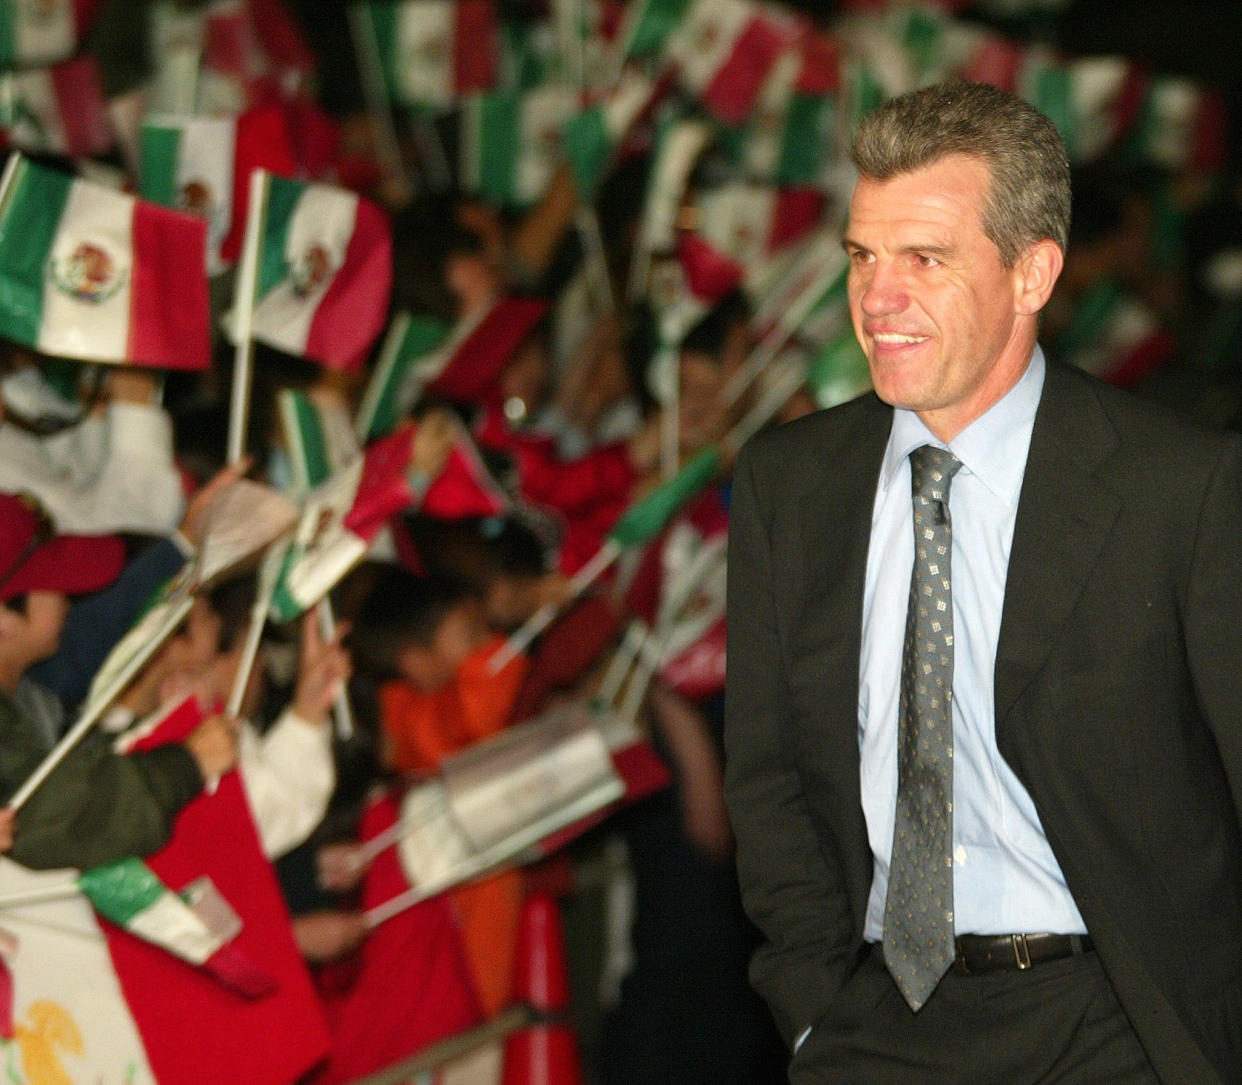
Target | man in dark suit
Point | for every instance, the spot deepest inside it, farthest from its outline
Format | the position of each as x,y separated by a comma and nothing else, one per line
987,813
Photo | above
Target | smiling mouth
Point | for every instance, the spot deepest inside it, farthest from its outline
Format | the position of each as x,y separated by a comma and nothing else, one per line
896,339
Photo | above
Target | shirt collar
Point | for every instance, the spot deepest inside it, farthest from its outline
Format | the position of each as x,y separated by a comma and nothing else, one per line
993,447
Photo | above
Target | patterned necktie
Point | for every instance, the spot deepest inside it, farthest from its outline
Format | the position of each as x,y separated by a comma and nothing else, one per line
918,915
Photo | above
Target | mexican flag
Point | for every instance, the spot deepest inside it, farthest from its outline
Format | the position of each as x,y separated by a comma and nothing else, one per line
97,1001
131,895
1091,100
648,24
723,51
42,31
253,52
431,53
57,110
409,350
747,225
791,134
645,519
592,137
91,273
340,518
202,165
510,142
1181,124
324,272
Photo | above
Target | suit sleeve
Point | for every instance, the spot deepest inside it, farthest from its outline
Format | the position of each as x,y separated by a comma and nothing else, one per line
1213,605
792,883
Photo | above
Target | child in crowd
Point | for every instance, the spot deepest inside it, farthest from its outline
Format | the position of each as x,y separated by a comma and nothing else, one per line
96,806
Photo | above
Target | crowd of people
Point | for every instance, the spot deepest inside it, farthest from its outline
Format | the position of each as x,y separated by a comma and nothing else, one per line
635,272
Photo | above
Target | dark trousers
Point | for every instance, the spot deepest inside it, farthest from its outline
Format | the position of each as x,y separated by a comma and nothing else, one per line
1057,1022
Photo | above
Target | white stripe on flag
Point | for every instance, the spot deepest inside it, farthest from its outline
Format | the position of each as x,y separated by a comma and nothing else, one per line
323,220
205,156
44,33
93,248
707,38
64,983
425,50
169,922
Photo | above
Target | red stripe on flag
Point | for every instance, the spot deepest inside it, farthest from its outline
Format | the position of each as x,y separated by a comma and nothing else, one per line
796,214
474,46
821,65
193,1028
355,305
998,62
483,355
84,15
279,35
263,142
170,321
733,89
79,100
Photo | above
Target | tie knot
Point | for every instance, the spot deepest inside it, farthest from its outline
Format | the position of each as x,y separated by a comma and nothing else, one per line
931,471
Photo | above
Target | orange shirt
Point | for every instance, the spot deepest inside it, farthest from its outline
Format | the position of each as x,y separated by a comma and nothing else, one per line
426,727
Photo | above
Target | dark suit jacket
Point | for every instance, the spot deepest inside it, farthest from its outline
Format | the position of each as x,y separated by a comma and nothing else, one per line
1118,701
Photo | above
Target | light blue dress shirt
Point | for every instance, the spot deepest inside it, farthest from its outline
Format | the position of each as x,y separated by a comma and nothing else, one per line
1005,877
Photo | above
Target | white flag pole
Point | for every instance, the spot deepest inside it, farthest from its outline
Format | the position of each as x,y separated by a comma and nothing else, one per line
243,317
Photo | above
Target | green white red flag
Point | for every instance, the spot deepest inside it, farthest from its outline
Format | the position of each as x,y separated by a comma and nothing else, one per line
432,53
723,51
202,165
648,24
511,142
324,273
593,137
1091,100
91,273
56,110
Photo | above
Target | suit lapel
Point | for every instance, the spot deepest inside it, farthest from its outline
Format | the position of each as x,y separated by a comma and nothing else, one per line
1065,515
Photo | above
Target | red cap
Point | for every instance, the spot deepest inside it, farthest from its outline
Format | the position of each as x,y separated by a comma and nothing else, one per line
34,558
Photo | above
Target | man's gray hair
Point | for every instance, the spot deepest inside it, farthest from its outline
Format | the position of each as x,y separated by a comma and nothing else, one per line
1029,194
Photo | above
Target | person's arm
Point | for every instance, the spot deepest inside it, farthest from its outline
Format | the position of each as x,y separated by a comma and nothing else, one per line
98,806
791,888
288,773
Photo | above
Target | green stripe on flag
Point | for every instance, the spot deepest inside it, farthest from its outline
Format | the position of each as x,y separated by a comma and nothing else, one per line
121,890
308,448
1052,96
283,197
8,32
384,25
29,220
382,406
499,145
807,124
588,147
658,19
158,153
840,372
646,518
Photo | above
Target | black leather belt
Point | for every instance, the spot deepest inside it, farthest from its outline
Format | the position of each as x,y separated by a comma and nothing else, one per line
982,953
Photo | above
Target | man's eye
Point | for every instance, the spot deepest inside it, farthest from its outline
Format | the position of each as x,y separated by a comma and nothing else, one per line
926,261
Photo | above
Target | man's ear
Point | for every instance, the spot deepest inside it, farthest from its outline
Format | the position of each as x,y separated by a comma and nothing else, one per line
1037,270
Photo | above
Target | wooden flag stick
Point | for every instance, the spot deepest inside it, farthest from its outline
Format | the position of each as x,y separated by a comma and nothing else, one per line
243,317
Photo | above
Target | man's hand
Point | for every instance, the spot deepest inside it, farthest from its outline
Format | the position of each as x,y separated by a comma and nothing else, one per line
8,817
214,745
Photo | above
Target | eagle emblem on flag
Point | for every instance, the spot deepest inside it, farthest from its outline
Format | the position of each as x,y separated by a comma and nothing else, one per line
311,271
88,273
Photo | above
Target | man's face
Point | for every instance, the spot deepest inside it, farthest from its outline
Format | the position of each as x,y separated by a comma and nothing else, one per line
932,304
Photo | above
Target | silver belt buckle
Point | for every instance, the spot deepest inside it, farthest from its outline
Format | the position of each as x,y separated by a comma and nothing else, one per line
1021,951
